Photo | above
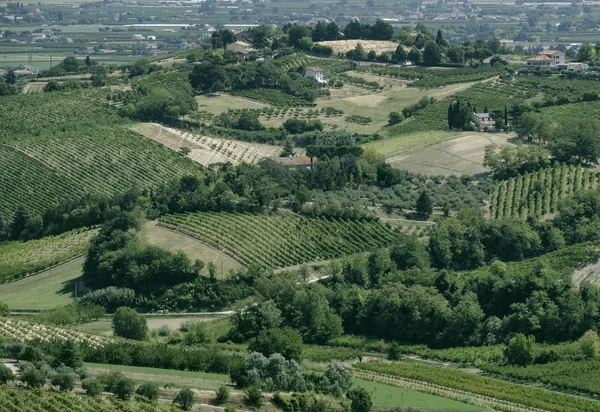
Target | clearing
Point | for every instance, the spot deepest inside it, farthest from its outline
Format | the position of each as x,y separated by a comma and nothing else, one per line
194,249
46,290
198,380
207,150
588,273
462,155
393,396
342,46
218,104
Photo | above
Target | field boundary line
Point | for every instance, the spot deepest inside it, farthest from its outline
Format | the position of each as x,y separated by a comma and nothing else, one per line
28,275
446,392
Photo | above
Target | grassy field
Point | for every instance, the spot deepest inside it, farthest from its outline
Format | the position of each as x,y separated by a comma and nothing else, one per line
193,248
222,102
44,291
18,259
198,380
342,46
462,155
393,396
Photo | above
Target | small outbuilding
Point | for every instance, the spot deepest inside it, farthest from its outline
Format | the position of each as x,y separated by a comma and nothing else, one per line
315,73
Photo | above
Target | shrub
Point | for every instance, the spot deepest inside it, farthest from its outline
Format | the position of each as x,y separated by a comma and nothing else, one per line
222,394
184,399
361,400
110,298
6,374
590,344
296,126
109,379
4,310
253,397
123,388
286,341
32,377
520,350
394,352
92,386
64,381
148,390
129,324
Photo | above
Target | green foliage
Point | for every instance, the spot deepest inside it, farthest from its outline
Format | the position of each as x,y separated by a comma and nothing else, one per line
92,386
4,310
424,205
291,240
286,341
270,374
590,344
222,394
123,388
364,120
129,324
336,379
70,355
273,97
6,374
253,397
520,350
361,400
70,314
32,376
148,390
296,126
64,381
394,352
184,399
110,298
482,385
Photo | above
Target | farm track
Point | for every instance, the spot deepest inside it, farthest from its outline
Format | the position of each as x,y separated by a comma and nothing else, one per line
433,389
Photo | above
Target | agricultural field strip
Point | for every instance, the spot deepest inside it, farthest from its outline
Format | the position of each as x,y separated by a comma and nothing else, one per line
290,240
538,193
445,392
24,331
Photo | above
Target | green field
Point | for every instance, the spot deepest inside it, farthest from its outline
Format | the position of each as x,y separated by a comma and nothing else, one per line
393,396
18,259
199,380
282,240
46,290
58,146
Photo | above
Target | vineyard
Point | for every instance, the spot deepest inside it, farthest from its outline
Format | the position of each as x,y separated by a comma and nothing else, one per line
506,392
42,171
580,376
280,241
538,193
273,97
30,114
39,400
22,331
18,259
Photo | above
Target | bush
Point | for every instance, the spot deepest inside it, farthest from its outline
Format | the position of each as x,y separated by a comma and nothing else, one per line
4,310
6,374
296,126
32,377
129,324
148,390
92,386
394,352
222,394
123,388
109,380
253,397
184,399
197,333
361,400
110,298
590,344
520,350
64,381
286,341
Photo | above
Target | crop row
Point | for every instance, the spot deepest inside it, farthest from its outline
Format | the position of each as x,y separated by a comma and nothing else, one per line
485,386
22,331
39,400
280,241
42,171
538,193
18,259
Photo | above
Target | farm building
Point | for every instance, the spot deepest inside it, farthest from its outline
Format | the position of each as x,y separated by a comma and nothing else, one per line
315,73
573,67
295,162
547,58
482,120
238,46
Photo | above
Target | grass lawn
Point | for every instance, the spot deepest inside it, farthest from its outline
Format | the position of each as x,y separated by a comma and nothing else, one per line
199,380
46,290
222,102
394,396
395,146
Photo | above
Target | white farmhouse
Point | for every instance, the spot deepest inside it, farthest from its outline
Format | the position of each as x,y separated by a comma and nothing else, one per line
315,73
238,46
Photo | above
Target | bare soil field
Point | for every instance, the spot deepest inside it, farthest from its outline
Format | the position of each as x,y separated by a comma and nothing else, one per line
34,87
222,102
463,155
170,240
207,150
342,46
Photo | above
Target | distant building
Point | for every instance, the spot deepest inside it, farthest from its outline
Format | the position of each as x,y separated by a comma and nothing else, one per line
573,67
557,56
487,63
541,61
483,121
238,46
315,73
295,162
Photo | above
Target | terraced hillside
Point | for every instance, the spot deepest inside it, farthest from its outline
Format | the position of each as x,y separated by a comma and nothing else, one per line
280,241
538,193
20,258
